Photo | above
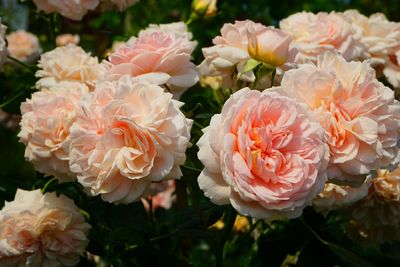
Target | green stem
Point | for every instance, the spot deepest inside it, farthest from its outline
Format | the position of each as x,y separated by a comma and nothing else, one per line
273,77
2,105
47,184
20,63
198,125
230,215
191,168
313,232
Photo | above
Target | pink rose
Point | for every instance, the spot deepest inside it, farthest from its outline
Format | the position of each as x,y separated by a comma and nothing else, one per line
46,119
264,154
376,218
360,116
229,53
339,196
269,45
67,38
380,36
232,50
41,230
23,45
127,134
74,10
68,63
161,195
156,56
179,29
315,34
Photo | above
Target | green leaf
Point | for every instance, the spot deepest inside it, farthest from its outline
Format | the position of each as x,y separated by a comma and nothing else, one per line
250,65
348,256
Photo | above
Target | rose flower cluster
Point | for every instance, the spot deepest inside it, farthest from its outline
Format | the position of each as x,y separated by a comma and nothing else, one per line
306,122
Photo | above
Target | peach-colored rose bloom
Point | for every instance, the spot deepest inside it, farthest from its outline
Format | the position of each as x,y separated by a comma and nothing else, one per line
3,46
269,45
41,230
382,40
179,29
380,36
264,154
360,116
376,218
159,57
74,10
339,196
315,34
67,38
230,52
23,45
68,63
160,195
46,119
127,134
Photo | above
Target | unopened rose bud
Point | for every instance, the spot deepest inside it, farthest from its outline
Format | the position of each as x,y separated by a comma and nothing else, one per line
67,38
206,8
269,45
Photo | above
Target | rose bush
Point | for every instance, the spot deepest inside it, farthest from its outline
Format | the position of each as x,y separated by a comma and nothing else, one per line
284,143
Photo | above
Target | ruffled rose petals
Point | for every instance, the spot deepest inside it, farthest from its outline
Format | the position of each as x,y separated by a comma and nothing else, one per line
41,230
127,134
264,154
360,116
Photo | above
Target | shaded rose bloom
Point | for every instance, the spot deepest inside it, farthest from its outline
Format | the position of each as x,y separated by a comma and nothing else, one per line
68,63
160,195
230,52
127,134
23,45
315,34
3,46
380,36
46,119
376,218
74,10
382,40
264,154
67,38
360,116
391,70
41,230
157,56
339,196
179,29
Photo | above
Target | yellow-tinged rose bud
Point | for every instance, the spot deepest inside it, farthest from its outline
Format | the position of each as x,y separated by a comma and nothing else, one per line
218,225
241,224
269,45
206,8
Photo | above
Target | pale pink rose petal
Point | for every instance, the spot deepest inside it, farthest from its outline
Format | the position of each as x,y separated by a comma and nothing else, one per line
359,114
23,46
41,230
264,154
162,51
315,34
128,133
45,128
74,10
